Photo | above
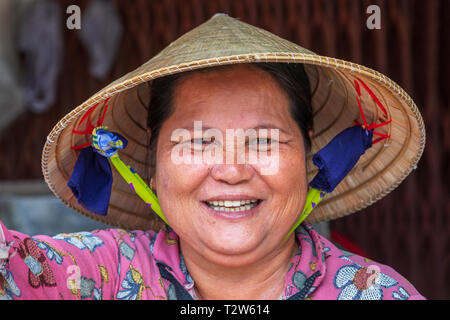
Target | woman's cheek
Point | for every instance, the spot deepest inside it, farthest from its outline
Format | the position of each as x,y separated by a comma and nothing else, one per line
289,185
178,183
290,170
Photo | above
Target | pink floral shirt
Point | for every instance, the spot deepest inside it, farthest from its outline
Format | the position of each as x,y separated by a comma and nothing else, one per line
124,265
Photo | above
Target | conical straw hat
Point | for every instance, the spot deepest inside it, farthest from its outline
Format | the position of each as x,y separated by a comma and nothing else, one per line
224,40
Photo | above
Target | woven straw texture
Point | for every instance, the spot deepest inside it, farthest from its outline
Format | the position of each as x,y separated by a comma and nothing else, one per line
224,40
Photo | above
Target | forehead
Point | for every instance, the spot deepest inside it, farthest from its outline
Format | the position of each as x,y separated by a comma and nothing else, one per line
228,90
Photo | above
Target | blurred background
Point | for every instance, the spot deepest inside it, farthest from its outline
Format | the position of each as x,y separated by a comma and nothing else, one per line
54,54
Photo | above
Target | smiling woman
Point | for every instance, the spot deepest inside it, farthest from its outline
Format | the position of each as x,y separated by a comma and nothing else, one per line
214,241
227,223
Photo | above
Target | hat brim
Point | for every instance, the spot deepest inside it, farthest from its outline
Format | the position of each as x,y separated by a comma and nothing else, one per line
379,171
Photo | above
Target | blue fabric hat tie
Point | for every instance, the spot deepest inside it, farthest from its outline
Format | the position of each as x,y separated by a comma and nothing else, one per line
339,156
107,143
91,179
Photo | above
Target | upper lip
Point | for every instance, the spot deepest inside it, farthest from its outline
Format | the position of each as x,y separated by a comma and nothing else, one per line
232,197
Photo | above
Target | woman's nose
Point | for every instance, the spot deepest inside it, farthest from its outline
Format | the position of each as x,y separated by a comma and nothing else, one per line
232,173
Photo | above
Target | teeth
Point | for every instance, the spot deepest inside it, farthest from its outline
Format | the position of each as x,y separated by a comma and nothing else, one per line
231,203
232,206
235,203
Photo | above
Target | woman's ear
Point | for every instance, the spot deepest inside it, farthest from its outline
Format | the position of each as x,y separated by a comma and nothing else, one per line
152,183
310,133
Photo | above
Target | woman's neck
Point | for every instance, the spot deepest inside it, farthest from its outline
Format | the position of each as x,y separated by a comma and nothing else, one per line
261,280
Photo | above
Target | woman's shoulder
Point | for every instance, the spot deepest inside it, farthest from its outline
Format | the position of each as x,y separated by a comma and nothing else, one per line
111,241
355,277
128,242
95,264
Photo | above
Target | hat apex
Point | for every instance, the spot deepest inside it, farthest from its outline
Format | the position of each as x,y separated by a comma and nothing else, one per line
222,36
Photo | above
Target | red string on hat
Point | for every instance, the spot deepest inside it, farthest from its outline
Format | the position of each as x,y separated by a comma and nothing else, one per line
371,126
89,125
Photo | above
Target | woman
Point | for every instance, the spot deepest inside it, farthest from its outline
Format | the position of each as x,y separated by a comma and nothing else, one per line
227,209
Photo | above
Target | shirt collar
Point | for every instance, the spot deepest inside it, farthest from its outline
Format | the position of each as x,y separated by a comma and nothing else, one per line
308,267
305,273
166,251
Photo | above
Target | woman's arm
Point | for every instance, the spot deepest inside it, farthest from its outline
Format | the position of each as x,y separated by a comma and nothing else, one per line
82,265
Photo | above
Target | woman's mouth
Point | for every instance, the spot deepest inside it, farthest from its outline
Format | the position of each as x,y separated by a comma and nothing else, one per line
233,209
232,205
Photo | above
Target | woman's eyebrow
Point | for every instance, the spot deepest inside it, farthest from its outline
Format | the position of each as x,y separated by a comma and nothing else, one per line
190,127
271,127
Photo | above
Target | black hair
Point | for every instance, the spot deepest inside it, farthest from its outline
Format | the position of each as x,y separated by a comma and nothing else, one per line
291,76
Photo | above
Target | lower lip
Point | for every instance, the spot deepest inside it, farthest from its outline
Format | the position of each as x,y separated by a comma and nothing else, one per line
233,215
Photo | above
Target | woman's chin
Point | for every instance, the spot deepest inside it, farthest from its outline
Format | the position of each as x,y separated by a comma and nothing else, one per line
232,242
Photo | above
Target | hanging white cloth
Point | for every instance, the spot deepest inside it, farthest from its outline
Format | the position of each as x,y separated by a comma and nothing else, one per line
101,31
11,101
40,40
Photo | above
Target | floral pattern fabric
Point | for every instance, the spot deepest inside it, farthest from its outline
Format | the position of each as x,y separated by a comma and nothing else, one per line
148,265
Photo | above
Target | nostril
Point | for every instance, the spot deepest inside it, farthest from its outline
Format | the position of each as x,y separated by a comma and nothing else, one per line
232,173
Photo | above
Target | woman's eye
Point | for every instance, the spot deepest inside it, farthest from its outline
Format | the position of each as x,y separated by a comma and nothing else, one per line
201,141
199,144
261,144
258,141
263,141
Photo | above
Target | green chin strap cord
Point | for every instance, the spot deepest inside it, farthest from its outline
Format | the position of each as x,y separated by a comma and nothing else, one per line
139,185
313,198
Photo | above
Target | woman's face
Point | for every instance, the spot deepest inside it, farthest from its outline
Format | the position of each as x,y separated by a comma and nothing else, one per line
190,195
